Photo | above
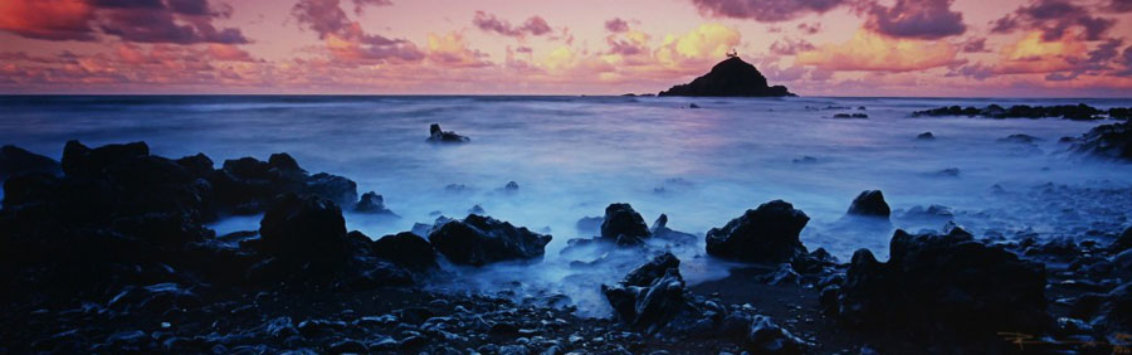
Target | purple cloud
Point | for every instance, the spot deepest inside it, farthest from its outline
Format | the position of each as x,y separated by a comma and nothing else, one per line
765,10
924,19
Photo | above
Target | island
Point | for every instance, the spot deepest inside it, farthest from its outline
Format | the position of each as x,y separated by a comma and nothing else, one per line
731,77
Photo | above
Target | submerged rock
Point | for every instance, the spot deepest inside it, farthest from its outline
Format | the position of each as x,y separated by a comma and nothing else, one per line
870,203
850,115
660,230
1110,141
623,225
926,136
731,77
948,281
17,161
435,135
372,203
479,240
589,225
768,234
1019,138
1073,112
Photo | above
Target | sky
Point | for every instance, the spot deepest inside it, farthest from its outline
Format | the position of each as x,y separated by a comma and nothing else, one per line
951,48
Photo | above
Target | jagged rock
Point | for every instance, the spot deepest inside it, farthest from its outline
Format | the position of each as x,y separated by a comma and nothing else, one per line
479,240
435,135
511,187
477,209
766,337
372,203
645,274
869,203
1073,112
247,185
15,161
341,190
767,234
199,165
406,249
1110,140
650,296
731,77
305,229
948,280
623,225
80,161
784,274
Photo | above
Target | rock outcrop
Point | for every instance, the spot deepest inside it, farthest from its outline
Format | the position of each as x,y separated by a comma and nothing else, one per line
1110,141
768,234
870,203
477,240
623,225
731,77
435,135
17,161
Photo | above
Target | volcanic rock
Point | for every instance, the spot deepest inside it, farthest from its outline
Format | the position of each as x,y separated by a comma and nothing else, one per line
477,240
731,77
768,234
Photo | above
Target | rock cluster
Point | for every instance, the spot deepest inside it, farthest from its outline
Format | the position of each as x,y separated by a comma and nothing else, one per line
1110,140
435,135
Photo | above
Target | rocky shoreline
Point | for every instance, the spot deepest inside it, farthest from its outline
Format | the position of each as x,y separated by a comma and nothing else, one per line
107,251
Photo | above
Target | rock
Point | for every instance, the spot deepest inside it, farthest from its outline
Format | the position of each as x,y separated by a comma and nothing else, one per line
477,209
406,249
948,281
850,115
589,225
305,229
511,187
623,225
438,136
1073,112
784,274
1110,141
869,203
934,212
949,172
693,105
731,77
1122,243
248,185
341,190
649,307
372,203
1020,138
805,160
199,165
347,346
1115,312
926,136
768,234
80,161
660,230
479,240
17,161
766,337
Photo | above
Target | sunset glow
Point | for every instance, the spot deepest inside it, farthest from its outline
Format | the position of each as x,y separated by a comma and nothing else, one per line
1065,48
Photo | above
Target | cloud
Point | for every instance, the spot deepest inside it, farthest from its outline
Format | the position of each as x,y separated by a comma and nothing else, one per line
708,43
925,19
345,39
790,46
810,28
616,25
451,50
868,51
1055,18
628,43
533,26
975,45
765,10
1120,5
1060,60
148,21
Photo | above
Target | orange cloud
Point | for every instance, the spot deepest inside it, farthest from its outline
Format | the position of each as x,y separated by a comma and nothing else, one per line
47,19
451,50
869,51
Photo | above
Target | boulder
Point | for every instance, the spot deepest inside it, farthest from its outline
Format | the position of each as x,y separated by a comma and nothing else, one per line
944,281
766,337
17,161
869,203
623,225
650,296
247,185
305,229
768,234
406,249
645,274
1109,141
79,160
341,190
1115,311
1123,242
477,240
435,135
372,203
731,77
660,230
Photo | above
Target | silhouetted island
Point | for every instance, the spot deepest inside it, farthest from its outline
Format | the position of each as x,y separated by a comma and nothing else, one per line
731,77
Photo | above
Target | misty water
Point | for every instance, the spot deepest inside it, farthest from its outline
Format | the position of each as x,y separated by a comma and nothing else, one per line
572,156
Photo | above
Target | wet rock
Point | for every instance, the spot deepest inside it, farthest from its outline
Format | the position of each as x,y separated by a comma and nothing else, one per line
693,105
406,249
341,190
17,161
305,229
1123,242
1073,112
644,275
372,203
81,161
783,275
347,346
948,280
926,136
766,337
435,135
660,230
870,203
511,187
649,307
766,234
731,77
199,165
1109,141
248,185
623,225
479,240
1115,311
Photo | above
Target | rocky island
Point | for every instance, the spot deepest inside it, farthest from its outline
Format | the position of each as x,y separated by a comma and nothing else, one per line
731,77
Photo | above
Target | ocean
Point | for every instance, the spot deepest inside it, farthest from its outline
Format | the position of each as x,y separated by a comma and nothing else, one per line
572,156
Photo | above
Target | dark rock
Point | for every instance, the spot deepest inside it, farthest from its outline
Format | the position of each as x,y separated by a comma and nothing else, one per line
1123,242
435,135
644,275
623,225
768,234
479,240
933,212
1115,312
805,160
347,346
17,161
870,203
1073,112
511,186
80,161
731,77
649,307
248,185
200,165
660,230
305,229
926,136
693,105
1110,140
372,203
850,115
477,209
766,337
341,190
949,172
946,281
782,275
406,249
